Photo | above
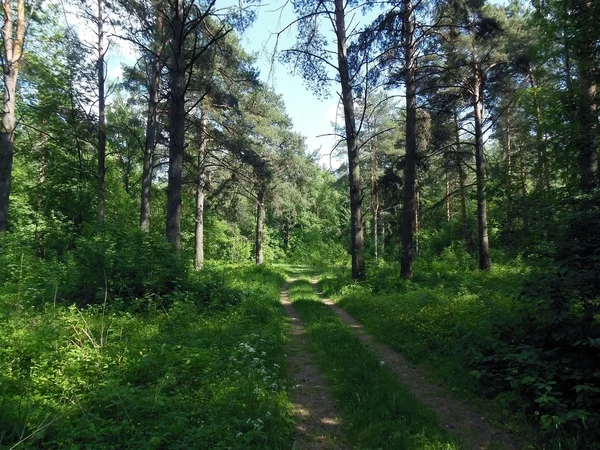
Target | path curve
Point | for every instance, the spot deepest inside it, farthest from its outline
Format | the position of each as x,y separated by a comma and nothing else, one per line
460,419
318,426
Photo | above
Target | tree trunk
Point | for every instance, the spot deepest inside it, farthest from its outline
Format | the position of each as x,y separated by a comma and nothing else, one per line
6,144
375,234
73,120
382,236
374,204
509,168
356,229
200,190
39,235
176,126
482,227
150,144
447,201
417,218
543,169
13,50
101,115
408,208
286,233
42,173
522,171
260,225
466,235
587,107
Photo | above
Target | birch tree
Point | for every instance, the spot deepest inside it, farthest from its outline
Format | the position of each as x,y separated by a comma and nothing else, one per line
13,39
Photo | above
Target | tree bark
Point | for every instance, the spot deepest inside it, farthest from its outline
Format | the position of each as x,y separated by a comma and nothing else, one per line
374,205
482,226
200,193
13,50
43,164
523,181
543,169
260,225
408,208
73,120
42,173
101,115
286,233
417,218
447,201
587,107
150,143
356,228
461,183
383,236
509,168
176,125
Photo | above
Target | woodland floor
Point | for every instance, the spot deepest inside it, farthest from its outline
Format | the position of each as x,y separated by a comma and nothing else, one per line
318,423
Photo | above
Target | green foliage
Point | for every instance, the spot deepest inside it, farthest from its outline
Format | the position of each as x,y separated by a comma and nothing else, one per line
548,356
377,411
309,246
122,263
225,241
206,371
489,335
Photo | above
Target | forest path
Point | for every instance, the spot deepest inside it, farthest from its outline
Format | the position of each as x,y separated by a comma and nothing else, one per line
318,425
472,430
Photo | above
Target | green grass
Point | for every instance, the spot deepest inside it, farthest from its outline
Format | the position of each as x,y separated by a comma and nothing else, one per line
376,410
441,320
200,368
448,319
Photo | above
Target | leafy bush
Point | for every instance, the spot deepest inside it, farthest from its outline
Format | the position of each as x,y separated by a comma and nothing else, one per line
105,377
549,357
125,263
310,246
226,243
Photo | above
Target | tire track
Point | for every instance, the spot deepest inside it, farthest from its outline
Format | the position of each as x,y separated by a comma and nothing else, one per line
318,424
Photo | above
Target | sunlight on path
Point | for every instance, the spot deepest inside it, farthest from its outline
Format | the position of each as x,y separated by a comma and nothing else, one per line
471,429
318,425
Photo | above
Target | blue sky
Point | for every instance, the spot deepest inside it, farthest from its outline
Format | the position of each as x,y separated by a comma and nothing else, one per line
312,116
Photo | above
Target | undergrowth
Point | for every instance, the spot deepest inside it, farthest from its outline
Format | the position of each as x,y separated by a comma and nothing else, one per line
484,336
202,366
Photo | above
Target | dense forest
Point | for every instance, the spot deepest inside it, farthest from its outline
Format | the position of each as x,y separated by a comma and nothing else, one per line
151,225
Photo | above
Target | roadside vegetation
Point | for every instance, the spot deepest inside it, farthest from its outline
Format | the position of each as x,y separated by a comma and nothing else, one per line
483,336
202,366
458,217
